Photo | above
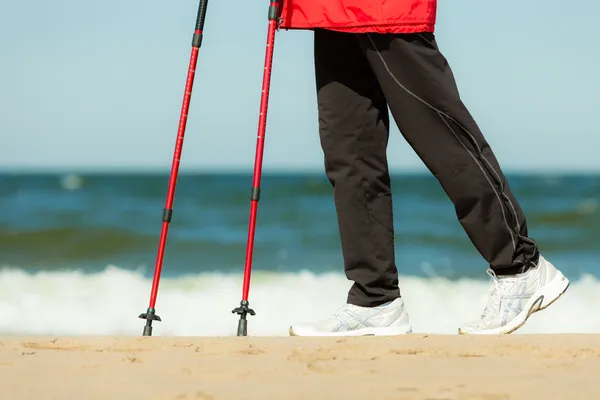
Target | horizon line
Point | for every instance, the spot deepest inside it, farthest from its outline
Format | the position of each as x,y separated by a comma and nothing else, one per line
421,170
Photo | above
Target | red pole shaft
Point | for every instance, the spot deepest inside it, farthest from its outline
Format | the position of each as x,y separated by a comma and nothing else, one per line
260,144
174,172
150,314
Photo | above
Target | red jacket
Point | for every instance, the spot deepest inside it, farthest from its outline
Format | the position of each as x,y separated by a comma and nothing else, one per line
359,16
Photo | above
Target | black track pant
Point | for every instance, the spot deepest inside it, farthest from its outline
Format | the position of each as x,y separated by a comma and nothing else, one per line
358,76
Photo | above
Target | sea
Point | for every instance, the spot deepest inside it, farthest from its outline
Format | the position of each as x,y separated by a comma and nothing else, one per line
78,252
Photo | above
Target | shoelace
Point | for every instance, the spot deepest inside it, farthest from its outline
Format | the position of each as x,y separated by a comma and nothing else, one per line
499,287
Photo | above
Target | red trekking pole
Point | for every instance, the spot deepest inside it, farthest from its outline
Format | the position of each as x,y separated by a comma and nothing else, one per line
150,314
243,310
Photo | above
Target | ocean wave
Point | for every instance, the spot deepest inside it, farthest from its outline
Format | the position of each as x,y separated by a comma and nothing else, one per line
108,303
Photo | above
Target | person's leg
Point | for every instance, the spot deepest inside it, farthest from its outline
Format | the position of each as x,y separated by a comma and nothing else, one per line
423,97
428,110
354,130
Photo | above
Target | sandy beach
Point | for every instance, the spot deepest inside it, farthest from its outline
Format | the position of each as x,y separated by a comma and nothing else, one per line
415,366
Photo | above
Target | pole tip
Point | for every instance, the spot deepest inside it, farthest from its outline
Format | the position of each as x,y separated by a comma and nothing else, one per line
242,329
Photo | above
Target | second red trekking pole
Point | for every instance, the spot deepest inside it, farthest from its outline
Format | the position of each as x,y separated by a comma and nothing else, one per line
150,314
244,309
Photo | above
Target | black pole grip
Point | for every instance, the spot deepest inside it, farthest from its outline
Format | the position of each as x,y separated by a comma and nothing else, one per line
274,9
201,15
197,38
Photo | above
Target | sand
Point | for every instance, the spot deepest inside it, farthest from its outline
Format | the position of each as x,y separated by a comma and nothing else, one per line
414,366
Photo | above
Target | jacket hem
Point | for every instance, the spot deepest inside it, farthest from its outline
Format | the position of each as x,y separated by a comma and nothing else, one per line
372,27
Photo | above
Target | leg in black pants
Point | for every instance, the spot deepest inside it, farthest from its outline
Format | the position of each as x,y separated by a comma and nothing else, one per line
358,76
354,130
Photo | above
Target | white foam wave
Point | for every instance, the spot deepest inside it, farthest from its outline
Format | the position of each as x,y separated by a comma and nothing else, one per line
108,303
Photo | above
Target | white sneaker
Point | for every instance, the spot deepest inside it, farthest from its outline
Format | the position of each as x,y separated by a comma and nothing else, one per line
350,320
514,298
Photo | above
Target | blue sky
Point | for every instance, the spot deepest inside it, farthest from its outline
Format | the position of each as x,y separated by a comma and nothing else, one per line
99,84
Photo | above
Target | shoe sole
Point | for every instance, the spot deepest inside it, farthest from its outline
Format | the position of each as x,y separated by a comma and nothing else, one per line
387,331
538,302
